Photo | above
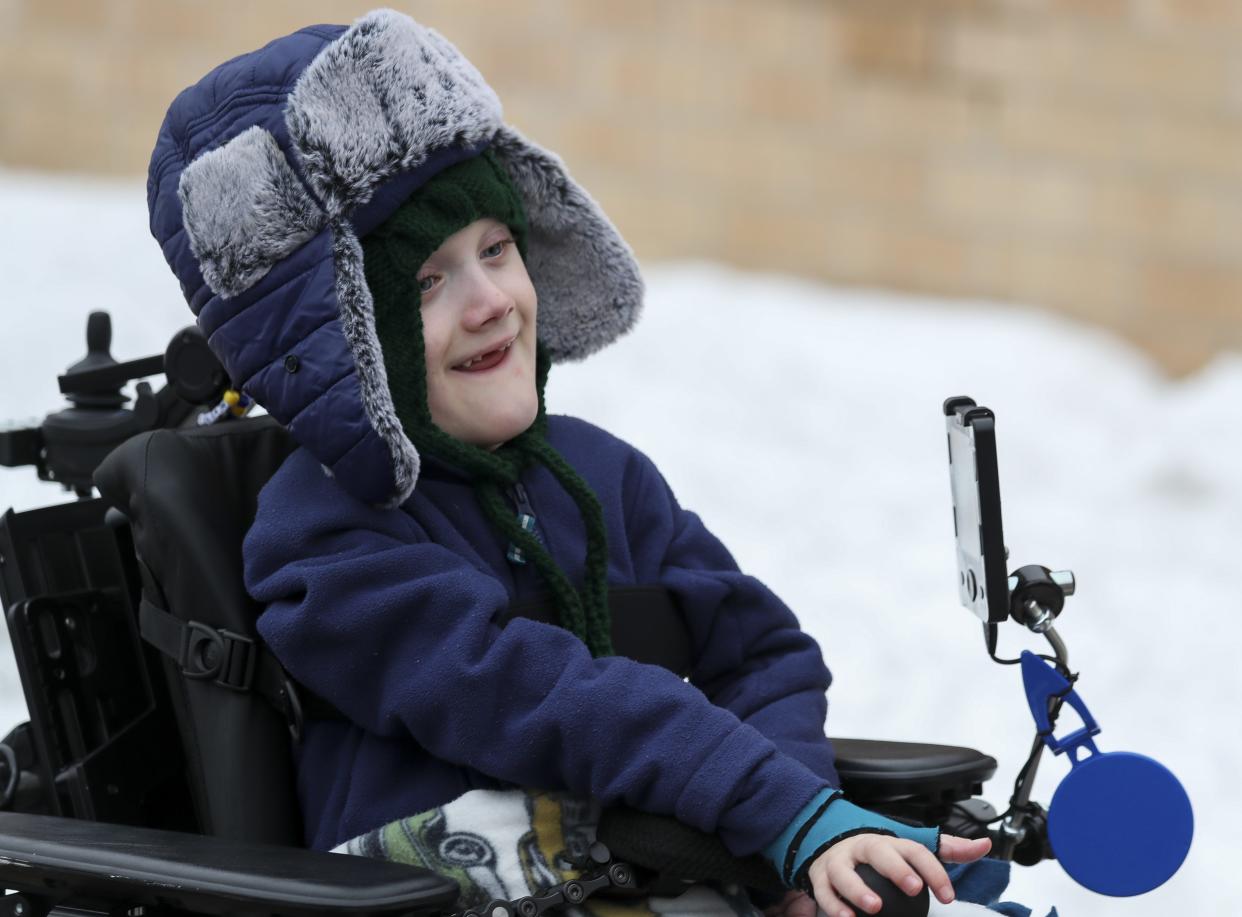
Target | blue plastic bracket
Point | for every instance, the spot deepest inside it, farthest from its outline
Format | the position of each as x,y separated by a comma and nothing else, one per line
1043,682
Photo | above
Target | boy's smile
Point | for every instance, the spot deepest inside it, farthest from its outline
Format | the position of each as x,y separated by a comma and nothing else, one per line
486,360
478,311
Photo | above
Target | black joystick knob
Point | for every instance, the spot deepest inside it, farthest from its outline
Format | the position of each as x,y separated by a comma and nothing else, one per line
98,341
896,903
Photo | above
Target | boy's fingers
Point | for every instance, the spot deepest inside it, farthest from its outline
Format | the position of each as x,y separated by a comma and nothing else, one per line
892,865
932,871
962,850
850,886
827,899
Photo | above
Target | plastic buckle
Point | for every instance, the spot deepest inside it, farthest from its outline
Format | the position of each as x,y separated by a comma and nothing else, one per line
226,657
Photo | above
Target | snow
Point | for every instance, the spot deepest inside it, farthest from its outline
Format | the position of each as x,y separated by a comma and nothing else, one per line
803,423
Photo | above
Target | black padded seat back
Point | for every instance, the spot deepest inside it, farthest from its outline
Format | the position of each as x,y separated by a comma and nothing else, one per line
190,497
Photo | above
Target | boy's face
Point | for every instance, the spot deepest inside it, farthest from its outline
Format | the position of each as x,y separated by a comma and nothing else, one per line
478,311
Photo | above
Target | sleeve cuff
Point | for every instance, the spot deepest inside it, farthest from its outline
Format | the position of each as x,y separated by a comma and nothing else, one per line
826,819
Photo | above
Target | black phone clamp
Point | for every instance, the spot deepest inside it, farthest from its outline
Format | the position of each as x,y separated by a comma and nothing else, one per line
1037,595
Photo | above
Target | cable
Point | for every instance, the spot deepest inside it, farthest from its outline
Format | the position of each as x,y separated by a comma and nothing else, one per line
989,640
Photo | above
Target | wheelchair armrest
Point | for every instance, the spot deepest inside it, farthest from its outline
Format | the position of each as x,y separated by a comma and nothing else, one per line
52,859
873,770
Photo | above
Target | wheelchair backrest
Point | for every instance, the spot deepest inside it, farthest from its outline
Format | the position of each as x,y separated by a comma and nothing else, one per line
190,496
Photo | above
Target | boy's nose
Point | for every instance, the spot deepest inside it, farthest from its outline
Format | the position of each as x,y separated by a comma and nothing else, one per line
488,303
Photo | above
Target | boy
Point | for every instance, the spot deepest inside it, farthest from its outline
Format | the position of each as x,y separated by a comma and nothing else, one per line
390,271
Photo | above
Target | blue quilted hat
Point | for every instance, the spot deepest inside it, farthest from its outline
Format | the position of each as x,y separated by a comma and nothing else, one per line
269,169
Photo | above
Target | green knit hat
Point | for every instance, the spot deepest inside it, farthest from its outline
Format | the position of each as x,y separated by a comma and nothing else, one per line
392,255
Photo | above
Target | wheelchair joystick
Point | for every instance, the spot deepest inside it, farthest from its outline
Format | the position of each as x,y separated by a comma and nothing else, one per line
68,445
894,902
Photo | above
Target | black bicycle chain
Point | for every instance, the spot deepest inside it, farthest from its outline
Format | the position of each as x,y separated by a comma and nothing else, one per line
603,873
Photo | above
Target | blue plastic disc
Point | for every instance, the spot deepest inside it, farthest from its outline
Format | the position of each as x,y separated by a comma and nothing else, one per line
1120,823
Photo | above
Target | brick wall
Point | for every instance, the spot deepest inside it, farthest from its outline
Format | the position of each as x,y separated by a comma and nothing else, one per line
1084,155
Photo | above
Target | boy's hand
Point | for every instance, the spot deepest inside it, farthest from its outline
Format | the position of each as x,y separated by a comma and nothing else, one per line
838,888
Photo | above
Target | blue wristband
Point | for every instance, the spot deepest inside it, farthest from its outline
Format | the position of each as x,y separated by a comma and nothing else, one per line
826,819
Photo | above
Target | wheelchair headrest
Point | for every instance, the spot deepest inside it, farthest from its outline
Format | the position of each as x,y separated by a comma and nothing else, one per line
190,496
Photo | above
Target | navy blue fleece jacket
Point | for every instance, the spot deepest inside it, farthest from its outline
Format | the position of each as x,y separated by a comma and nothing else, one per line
390,615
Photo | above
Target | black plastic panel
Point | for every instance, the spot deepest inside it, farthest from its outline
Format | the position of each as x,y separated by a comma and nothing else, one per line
48,856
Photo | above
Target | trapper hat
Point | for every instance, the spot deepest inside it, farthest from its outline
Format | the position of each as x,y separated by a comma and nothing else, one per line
266,173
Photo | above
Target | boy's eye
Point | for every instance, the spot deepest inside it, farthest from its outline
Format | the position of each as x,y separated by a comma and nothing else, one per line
495,250
425,284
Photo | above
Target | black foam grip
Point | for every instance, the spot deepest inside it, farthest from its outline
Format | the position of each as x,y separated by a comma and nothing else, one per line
896,903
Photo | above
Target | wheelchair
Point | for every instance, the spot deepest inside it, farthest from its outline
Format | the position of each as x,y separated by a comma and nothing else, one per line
155,775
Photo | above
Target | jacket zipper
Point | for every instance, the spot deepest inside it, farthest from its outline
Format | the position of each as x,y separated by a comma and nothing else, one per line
526,519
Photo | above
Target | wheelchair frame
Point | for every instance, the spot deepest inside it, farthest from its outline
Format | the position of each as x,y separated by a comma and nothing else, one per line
101,813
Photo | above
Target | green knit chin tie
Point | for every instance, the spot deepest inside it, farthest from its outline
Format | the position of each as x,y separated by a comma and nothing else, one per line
583,612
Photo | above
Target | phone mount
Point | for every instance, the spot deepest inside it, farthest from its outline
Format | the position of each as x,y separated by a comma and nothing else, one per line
1120,823
68,445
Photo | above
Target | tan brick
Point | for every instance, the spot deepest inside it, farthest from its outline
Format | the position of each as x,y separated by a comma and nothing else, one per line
1196,293
1079,279
1091,132
1200,13
902,116
82,17
773,237
785,32
995,50
883,179
634,16
928,258
863,247
1112,11
514,64
882,42
1189,144
1202,222
972,194
661,220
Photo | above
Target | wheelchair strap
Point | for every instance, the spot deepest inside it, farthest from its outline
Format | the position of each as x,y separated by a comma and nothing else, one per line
647,626
226,658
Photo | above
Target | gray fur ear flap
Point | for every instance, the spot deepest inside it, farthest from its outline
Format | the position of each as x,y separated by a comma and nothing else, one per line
589,286
244,210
